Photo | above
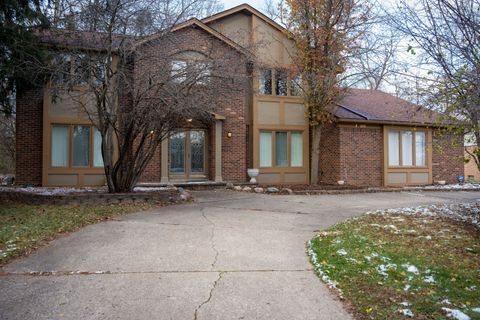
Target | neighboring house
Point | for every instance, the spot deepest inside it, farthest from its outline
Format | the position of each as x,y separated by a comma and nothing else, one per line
471,169
376,140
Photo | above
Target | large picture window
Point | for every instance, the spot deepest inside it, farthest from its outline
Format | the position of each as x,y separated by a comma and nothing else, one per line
281,149
407,148
76,146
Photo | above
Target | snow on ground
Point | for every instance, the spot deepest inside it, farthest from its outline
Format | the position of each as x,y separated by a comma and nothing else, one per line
45,191
464,212
455,314
469,186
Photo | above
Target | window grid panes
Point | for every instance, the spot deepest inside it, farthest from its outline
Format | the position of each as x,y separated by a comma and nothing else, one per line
413,145
265,149
265,82
420,149
97,148
81,146
407,148
296,149
281,82
281,149
178,71
60,146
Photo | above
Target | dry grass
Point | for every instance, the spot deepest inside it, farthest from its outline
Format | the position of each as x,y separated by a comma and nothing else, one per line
374,258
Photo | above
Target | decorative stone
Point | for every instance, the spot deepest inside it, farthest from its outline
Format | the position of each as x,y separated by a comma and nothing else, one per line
237,188
180,189
258,190
248,189
229,185
287,190
272,190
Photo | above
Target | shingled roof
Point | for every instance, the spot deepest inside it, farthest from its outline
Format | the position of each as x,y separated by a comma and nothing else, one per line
360,105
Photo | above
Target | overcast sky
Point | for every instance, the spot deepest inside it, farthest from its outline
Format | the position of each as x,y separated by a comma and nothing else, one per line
257,4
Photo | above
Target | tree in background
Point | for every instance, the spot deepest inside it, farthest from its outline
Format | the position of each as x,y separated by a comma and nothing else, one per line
21,57
446,35
7,143
325,33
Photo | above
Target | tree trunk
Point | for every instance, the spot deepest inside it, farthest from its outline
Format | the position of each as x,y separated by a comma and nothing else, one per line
315,153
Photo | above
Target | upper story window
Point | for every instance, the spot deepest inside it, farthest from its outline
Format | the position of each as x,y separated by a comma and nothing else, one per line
197,71
265,82
407,148
178,71
79,68
279,82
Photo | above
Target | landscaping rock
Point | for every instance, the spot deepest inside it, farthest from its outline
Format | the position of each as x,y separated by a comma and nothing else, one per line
272,190
237,188
248,189
229,185
180,189
287,190
258,190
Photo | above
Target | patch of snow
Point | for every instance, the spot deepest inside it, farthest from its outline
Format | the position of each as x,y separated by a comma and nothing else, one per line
429,279
149,189
455,314
51,191
405,304
411,268
407,287
464,212
445,301
477,310
472,288
469,186
383,268
342,252
426,237
406,312
318,268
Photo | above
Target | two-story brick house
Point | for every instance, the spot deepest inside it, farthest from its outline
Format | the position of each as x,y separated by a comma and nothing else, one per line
376,140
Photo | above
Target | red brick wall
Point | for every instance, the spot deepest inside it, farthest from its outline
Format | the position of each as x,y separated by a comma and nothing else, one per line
231,104
29,138
447,157
329,158
361,156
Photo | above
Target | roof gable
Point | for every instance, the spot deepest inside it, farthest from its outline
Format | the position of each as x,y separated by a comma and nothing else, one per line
240,8
199,24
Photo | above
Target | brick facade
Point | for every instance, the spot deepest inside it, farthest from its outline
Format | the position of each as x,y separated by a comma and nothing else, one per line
352,154
232,104
29,137
447,157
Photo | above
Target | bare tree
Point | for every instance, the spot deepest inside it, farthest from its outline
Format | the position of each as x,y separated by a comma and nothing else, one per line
7,143
447,34
140,93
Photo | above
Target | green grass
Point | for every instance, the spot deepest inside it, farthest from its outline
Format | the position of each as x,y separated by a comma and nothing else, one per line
25,227
451,256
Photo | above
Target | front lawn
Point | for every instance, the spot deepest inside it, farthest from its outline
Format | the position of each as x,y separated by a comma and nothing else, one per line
398,264
24,227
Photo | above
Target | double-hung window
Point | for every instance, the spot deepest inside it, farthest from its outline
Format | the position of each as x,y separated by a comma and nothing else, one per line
407,148
281,149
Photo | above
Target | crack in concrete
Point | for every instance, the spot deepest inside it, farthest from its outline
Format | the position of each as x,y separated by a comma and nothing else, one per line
195,314
212,236
262,210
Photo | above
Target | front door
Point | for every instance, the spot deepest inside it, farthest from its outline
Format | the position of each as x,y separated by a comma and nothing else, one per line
187,155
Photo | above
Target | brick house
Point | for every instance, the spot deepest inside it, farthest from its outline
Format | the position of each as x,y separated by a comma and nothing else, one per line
375,140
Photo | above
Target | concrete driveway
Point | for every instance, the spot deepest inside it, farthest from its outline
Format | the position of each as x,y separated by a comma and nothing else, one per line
227,256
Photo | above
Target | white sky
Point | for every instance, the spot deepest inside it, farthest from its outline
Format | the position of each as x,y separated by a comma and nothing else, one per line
257,4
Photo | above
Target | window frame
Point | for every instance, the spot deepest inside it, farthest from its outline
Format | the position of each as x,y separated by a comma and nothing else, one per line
400,132
70,152
289,148
290,78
